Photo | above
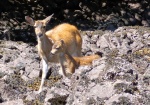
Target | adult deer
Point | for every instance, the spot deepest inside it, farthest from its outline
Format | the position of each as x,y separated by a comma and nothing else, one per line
68,33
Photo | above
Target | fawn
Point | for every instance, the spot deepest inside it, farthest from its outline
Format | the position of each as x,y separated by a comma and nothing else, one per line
69,63
69,33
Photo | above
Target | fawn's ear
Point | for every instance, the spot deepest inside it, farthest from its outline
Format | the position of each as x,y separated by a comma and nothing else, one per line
62,41
46,20
51,40
29,20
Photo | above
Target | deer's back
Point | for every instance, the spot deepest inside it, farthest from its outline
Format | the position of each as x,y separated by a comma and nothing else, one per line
70,35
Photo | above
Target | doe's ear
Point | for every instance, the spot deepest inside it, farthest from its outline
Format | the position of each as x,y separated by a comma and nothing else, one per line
29,20
62,41
46,20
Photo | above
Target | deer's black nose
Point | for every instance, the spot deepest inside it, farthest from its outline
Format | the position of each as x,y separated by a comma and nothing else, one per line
40,35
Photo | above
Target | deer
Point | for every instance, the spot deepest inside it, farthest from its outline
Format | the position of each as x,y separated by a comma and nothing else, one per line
67,62
70,35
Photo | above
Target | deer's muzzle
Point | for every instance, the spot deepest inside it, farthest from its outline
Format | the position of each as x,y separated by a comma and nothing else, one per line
40,35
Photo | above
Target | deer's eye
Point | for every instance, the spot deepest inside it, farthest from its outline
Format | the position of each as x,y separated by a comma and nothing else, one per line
44,27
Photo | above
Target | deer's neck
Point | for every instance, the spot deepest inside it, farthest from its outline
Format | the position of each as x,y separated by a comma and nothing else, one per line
44,46
42,42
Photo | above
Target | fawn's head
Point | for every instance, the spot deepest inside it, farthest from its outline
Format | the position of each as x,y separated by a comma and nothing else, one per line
39,25
58,47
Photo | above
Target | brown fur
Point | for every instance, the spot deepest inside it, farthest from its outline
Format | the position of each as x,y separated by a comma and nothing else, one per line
69,33
68,62
86,60
65,31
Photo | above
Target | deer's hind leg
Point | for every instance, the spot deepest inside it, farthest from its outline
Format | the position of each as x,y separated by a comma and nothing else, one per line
63,70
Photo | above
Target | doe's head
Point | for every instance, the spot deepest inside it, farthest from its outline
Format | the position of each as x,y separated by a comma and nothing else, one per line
58,47
39,25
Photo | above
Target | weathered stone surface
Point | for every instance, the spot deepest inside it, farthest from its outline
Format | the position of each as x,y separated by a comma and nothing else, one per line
121,76
14,102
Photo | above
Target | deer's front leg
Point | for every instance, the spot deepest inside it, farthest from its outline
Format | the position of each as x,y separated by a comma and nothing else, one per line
44,73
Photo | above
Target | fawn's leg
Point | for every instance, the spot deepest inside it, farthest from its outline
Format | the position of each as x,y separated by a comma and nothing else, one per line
44,72
63,69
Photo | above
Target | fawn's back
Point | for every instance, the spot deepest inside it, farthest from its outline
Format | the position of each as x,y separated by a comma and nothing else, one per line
70,35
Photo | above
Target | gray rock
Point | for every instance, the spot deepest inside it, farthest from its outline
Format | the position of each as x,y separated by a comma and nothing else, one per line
121,76
13,102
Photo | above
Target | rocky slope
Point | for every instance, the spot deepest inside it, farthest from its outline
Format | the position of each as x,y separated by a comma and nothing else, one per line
121,76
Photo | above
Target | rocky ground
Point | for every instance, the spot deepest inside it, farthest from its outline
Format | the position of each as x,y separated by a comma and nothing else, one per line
120,77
